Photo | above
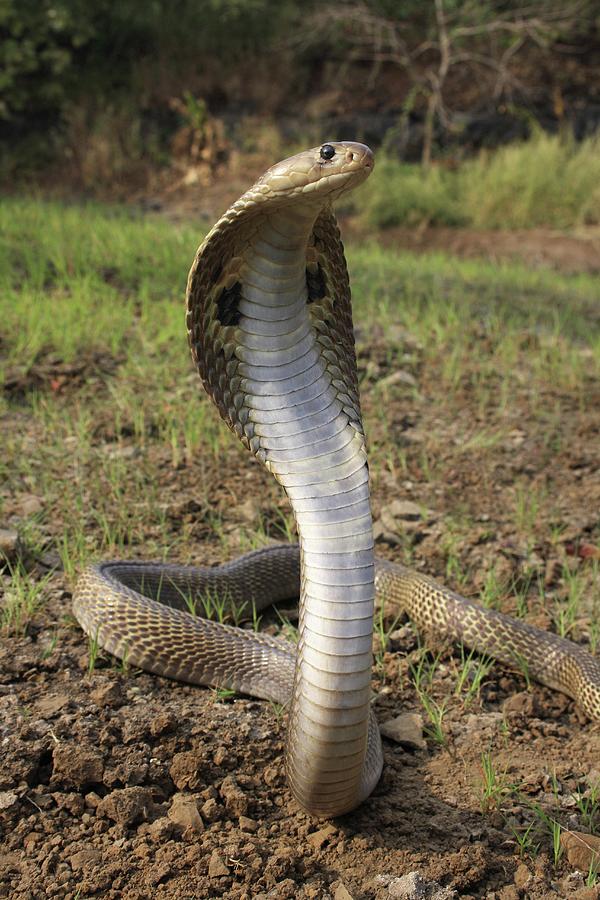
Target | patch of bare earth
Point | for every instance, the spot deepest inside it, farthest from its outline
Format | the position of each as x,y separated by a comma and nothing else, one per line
574,252
120,784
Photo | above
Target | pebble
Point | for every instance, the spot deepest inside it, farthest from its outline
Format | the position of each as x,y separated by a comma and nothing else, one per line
398,377
216,865
342,893
318,839
236,801
247,824
109,694
30,504
48,706
400,515
77,765
211,810
126,805
413,886
161,723
9,545
184,813
7,799
583,850
405,729
92,800
84,858
521,704
586,893
185,770
522,876
160,830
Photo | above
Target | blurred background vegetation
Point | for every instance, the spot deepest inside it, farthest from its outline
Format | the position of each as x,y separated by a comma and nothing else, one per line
484,112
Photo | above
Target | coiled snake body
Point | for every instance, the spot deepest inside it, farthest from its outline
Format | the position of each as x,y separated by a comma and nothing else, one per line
270,329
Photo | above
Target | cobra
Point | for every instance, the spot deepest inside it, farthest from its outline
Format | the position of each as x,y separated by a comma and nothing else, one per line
270,328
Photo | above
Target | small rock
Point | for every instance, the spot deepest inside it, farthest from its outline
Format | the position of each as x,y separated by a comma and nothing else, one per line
403,639
220,755
74,802
236,801
126,805
211,810
84,858
271,775
143,851
521,704
9,545
405,509
249,511
184,813
7,799
127,451
159,831
413,887
109,694
381,535
30,504
92,800
287,890
247,824
216,865
77,765
318,839
400,516
522,876
583,850
342,893
509,892
586,893
161,723
405,729
30,842
185,770
48,706
398,377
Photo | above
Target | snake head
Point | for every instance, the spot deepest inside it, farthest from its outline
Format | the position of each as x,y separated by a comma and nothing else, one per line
322,173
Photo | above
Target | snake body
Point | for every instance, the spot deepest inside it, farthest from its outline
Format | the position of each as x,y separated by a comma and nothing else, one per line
270,328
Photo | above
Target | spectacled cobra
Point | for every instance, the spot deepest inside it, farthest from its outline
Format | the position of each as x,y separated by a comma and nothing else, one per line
270,328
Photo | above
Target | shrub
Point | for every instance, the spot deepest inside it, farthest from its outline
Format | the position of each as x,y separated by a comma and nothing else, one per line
549,180
401,194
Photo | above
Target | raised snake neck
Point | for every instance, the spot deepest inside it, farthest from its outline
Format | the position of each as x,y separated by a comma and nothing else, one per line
270,328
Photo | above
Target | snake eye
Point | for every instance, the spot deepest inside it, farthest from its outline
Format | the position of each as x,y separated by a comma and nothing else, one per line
327,151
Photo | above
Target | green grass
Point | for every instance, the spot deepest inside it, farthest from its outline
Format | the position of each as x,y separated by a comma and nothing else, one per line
547,181
76,278
89,284
492,326
84,280
129,459
24,597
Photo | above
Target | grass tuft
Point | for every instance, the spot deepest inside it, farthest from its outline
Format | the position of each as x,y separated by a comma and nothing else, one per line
548,181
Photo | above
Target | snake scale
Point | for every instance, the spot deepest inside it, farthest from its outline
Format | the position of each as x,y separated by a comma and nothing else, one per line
270,328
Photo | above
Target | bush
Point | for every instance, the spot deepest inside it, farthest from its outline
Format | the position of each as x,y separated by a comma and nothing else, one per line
549,180
401,194
57,56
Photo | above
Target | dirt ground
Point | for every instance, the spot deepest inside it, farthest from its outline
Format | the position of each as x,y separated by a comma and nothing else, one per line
577,251
120,784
